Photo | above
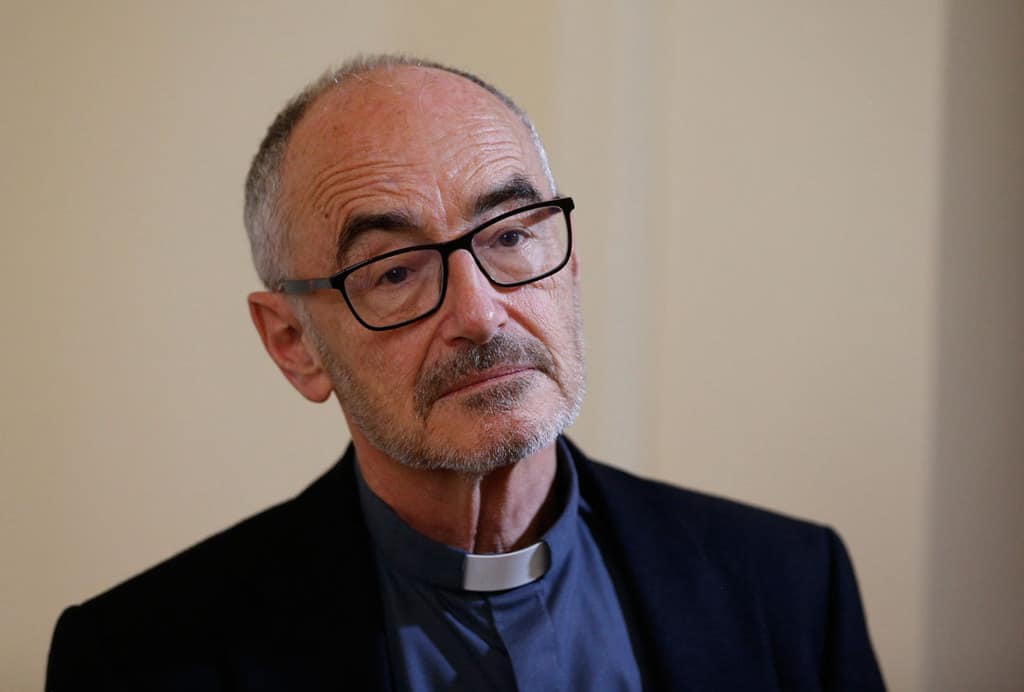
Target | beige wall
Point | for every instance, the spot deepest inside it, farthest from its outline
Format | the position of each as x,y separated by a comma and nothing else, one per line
803,235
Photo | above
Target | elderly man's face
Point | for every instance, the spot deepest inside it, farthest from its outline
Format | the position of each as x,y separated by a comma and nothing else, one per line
496,373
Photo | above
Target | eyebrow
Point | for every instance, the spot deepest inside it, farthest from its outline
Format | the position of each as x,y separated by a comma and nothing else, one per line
516,188
360,224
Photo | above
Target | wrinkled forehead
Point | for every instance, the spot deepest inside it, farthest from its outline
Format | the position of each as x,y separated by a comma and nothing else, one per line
407,126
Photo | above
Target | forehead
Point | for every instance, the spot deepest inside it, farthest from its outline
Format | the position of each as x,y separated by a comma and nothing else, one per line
419,139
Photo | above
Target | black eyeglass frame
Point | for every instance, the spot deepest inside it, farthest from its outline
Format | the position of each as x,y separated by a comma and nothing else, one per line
463,242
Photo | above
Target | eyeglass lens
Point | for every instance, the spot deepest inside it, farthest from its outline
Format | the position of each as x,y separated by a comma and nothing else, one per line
408,285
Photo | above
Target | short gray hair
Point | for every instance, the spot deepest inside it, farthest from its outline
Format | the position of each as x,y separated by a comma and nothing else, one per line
265,220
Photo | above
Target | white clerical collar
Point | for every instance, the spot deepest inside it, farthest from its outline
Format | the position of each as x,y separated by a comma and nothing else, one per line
504,571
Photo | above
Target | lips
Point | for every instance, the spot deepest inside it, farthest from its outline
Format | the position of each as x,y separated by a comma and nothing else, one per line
476,364
485,377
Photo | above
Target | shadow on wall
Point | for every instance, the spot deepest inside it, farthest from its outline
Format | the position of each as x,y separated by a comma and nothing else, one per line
976,562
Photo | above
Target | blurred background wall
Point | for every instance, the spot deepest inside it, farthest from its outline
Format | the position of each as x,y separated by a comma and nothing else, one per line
802,228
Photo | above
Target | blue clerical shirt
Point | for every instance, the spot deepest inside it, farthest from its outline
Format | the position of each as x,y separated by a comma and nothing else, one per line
563,629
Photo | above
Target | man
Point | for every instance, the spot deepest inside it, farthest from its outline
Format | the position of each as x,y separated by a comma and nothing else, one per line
419,265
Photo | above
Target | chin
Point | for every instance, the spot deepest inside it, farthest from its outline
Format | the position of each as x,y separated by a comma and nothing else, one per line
474,442
498,447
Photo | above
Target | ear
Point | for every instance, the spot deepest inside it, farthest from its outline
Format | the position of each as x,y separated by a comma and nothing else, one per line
282,334
574,267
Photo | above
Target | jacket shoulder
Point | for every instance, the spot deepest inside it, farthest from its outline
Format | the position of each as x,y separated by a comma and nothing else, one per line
714,523
213,569
265,584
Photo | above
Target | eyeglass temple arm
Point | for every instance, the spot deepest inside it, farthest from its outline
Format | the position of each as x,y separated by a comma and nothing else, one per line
300,286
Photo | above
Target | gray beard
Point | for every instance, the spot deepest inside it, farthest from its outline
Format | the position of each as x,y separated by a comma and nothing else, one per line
503,443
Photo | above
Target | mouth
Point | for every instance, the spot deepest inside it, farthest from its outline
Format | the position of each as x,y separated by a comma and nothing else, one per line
485,379
490,376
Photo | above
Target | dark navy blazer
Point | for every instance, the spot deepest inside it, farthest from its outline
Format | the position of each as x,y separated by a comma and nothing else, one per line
721,596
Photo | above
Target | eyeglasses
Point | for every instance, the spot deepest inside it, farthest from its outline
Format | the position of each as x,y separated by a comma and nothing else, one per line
399,287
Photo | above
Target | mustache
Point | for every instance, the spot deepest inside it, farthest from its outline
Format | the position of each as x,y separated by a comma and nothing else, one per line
502,349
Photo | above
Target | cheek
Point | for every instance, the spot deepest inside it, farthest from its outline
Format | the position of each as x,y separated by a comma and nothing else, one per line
547,311
389,366
367,358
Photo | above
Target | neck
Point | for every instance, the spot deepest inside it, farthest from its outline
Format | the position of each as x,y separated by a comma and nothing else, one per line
504,510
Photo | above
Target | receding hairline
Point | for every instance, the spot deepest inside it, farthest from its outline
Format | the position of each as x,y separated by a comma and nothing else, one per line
365,79
364,76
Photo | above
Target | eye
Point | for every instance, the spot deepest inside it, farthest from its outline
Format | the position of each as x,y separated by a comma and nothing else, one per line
510,238
395,275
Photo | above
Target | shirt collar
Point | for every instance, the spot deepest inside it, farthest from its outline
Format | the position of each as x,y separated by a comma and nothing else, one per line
402,547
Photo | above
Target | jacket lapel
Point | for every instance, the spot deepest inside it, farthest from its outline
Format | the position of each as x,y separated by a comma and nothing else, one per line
695,626
326,628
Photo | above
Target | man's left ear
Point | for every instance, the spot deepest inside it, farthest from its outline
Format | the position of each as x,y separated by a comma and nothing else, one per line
282,334
574,267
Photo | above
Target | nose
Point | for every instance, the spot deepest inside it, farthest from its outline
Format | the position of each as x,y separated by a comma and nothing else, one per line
473,309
